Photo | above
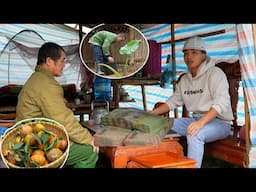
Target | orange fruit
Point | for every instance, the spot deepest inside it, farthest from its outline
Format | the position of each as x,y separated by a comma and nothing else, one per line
58,144
38,152
40,134
46,162
17,139
6,152
28,137
40,159
39,127
11,157
53,154
64,144
41,147
52,139
26,129
61,144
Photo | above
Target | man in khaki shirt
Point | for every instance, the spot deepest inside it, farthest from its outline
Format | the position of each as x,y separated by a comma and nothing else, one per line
42,96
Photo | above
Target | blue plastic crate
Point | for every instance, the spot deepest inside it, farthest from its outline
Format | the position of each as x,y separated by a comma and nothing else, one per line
2,130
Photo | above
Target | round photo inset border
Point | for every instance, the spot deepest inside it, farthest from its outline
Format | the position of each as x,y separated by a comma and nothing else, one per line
130,53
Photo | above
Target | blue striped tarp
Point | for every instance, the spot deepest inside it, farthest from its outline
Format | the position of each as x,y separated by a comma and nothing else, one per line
15,68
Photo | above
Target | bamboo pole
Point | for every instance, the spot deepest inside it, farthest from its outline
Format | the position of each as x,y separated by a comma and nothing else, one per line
247,128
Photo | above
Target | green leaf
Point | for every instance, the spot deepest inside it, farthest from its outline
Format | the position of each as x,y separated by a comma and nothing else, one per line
35,164
10,145
45,137
52,145
17,159
130,47
37,139
18,146
49,132
27,146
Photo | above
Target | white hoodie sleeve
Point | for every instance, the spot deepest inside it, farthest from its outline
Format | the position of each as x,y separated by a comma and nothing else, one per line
219,89
175,100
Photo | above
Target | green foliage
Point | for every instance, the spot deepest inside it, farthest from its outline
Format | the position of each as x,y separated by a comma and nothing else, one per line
130,47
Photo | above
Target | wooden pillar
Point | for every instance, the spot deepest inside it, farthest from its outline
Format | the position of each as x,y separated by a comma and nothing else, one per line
144,97
80,32
247,128
173,64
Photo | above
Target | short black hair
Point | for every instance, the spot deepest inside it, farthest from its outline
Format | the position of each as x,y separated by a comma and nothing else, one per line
49,49
124,35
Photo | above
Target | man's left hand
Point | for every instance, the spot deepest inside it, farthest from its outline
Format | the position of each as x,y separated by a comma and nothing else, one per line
194,128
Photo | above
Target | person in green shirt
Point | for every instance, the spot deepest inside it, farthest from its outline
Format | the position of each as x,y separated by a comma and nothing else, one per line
100,44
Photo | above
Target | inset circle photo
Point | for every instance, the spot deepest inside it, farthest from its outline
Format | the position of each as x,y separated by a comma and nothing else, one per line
114,51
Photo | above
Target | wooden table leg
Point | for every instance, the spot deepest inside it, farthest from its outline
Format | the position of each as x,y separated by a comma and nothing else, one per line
116,94
81,117
144,97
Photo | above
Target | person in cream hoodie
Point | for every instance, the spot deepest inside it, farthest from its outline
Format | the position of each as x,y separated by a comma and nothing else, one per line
204,92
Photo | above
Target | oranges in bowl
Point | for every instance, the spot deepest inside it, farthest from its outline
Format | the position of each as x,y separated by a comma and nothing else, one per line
35,143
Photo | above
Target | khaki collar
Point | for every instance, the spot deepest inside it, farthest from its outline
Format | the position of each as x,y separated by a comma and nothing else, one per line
39,68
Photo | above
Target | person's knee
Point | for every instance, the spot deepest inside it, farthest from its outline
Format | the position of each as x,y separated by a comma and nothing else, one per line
198,138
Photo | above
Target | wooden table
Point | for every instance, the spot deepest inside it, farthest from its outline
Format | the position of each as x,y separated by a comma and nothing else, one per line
8,109
161,160
78,109
121,156
85,108
142,81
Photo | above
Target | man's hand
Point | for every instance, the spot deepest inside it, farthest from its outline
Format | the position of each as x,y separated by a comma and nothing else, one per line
194,128
95,148
110,59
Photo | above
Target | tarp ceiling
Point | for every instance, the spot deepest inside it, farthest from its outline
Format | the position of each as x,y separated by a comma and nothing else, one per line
15,67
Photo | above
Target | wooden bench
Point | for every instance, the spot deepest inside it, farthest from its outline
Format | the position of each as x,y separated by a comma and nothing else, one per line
7,119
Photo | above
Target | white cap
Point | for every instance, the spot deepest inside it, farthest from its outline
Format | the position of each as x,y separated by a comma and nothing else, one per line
194,43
